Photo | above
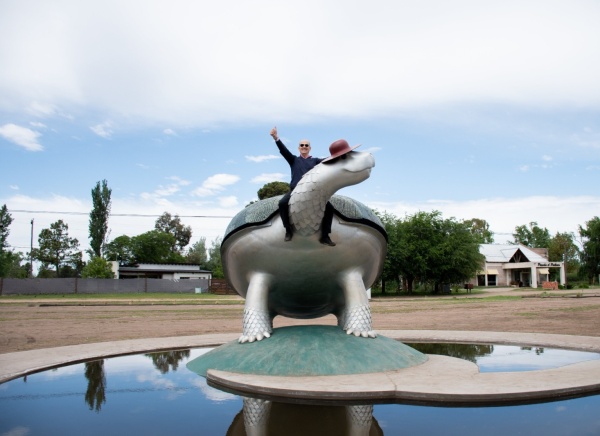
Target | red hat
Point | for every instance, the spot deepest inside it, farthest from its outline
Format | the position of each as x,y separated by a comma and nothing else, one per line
338,148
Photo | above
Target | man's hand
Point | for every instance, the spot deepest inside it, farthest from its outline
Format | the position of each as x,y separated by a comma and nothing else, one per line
274,133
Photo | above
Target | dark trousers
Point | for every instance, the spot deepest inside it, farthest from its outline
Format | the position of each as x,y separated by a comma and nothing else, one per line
284,213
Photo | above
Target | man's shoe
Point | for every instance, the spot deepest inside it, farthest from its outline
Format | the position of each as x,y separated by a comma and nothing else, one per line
288,236
326,240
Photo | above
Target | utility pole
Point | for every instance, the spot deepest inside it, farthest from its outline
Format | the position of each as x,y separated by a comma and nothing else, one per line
30,252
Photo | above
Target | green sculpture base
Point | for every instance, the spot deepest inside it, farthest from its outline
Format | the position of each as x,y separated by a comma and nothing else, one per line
315,350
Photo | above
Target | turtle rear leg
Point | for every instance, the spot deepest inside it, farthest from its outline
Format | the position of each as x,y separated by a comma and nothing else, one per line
355,316
257,323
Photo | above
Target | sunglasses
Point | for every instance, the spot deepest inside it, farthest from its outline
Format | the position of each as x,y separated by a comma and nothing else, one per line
304,145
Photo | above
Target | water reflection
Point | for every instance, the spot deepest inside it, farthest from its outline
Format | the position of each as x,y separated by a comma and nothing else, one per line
156,394
168,360
262,417
95,395
468,352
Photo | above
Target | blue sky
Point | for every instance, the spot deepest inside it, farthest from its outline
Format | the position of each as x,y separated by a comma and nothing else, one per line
476,109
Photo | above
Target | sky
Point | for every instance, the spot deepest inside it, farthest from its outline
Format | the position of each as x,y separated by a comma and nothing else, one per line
476,109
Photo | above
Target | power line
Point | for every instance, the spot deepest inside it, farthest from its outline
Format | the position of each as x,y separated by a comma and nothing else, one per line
138,215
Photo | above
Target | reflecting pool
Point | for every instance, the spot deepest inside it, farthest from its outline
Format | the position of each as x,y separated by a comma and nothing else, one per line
155,394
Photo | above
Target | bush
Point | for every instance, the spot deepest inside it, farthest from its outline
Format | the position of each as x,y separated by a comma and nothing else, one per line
98,268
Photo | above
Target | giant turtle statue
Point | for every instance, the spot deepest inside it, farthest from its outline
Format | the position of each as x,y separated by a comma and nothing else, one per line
303,278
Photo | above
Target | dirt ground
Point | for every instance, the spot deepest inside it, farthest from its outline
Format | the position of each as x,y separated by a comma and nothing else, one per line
37,323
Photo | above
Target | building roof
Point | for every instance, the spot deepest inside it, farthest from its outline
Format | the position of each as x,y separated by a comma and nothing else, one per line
163,267
503,253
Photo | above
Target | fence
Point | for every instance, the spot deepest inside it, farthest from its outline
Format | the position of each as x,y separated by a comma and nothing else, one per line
100,286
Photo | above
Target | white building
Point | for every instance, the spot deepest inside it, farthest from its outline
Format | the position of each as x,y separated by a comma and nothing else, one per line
507,265
163,271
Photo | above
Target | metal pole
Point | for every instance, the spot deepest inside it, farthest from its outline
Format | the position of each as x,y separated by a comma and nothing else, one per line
30,250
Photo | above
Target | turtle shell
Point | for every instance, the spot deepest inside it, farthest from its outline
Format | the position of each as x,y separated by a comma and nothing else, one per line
262,211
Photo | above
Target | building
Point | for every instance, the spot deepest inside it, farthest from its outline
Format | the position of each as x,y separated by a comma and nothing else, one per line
163,271
516,265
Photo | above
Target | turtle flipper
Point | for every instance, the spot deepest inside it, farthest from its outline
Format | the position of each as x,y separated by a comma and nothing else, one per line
355,316
258,322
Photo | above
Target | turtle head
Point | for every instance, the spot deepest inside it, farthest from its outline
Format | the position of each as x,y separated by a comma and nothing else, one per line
347,170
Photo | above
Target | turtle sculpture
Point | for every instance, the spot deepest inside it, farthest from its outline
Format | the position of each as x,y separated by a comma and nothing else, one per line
303,278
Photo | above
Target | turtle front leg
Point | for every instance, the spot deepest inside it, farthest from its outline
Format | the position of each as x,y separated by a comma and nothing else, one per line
355,316
257,323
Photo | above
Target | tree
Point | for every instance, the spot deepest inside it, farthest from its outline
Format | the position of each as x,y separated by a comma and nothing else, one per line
197,253
427,248
214,262
98,268
532,236
391,263
456,258
150,247
480,228
273,189
6,256
99,217
119,249
155,247
591,249
172,225
563,248
56,247
12,265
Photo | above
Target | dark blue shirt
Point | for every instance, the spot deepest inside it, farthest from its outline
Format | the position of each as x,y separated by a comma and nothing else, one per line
298,164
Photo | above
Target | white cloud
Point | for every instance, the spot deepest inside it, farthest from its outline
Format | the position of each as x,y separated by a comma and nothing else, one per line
42,109
524,168
14,187
215,184
230,201
37,124
103,129
557,214
403,57
22,136
268,178
169,132
18,431
546,158
586,138
179,180
262,158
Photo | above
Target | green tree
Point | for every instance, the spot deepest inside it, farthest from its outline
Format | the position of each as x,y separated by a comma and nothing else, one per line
214,259
5,221
273,189
418,235
456,257
57,248
155,247
562,248
428,248
6,256
13,266
173,226
591,249
98,268
480,228
197,253
391,264
119,249
98,226
532,236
